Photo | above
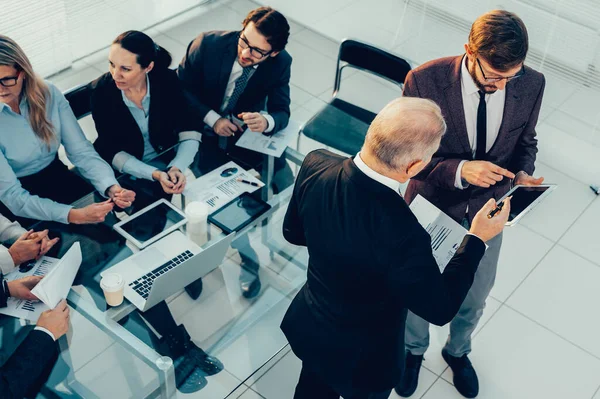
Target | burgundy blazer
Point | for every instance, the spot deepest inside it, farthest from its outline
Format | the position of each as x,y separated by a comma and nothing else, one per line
514,149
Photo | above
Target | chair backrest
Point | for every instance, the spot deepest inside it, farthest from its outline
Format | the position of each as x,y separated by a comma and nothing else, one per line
79,98
372,59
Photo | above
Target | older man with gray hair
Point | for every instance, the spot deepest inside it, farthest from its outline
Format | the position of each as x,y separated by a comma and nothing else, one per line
369,258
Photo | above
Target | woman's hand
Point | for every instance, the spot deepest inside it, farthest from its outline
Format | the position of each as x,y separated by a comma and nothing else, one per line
122,197
94,213
172,182
178,178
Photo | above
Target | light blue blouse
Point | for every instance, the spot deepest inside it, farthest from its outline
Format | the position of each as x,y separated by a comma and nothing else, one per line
127,163
22,153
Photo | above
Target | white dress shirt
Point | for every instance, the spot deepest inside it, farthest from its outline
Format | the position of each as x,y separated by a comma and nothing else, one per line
236,71
386,181
494,107
9,233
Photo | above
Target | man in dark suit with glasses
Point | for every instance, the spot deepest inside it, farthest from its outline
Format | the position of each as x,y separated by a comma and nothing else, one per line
491,101
235,80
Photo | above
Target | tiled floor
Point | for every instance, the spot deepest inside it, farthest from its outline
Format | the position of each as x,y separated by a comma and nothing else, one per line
539,336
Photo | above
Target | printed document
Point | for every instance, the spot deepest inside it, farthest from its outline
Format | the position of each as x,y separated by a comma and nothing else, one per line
55,286
220,186
24,309
273,145
446,234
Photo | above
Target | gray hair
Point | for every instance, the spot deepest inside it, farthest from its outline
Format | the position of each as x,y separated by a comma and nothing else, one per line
407,129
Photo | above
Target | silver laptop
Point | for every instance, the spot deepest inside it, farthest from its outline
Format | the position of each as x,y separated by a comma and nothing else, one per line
167,266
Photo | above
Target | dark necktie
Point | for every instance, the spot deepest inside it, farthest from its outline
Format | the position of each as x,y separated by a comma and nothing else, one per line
240,85
481,127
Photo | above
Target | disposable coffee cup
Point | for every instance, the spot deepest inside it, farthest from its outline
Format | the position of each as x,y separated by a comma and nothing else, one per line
196,213
112,284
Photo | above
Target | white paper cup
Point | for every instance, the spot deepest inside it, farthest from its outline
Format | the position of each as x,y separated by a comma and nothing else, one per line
196,213
112,284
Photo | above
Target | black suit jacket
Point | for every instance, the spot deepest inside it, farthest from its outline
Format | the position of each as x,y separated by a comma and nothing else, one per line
27,365
515,148
205,69
369,261
118,130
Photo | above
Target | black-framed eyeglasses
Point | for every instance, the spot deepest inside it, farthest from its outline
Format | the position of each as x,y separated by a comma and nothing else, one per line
497,79
254,51
9,81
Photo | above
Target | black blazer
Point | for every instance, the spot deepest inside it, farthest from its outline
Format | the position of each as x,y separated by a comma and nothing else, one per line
369,261
116,127
205,69
28,364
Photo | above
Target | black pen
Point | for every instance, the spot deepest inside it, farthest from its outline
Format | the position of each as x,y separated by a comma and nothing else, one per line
496,210
248,182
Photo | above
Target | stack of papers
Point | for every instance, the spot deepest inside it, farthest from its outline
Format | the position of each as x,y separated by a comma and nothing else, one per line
59,276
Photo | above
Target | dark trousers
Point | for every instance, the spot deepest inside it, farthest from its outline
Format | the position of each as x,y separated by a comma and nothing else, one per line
311,386
55,182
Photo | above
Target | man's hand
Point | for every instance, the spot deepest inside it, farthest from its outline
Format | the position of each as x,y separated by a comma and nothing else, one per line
27,246
484,173
56,320
94,213
255,120
488,228
122,197
21,288
523,179
46,244
224,127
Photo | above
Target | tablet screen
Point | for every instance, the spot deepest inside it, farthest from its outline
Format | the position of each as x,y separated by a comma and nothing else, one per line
152,222
238,213
522,197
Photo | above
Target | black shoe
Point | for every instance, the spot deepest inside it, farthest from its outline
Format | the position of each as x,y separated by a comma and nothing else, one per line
194,289
250,286
410,378
188,377
465,379
209,365
249,280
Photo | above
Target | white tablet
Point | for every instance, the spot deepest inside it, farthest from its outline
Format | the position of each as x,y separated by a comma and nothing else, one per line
524,199
151,223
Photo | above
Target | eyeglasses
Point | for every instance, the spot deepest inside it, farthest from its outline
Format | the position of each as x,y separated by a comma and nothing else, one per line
254,51
497,79
9,81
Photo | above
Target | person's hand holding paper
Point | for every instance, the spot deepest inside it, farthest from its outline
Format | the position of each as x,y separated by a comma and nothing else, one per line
56,284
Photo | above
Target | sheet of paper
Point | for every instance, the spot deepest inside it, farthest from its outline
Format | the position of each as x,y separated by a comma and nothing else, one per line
55,286
273,145
21,308
446,234
221,186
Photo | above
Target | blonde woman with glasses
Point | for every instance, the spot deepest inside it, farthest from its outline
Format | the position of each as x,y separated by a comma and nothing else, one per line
35,119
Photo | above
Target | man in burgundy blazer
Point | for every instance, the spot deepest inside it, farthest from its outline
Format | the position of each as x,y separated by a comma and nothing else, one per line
491,102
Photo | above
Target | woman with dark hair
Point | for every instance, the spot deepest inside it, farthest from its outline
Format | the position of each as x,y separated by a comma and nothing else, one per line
139,111
35,119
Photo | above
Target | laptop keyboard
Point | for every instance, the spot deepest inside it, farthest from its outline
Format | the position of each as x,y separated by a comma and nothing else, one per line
143,284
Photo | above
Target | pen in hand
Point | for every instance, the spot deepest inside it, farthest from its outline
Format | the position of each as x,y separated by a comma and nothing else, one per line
247,182
496,210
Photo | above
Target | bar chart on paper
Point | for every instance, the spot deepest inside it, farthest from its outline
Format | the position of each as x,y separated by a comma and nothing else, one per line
446,235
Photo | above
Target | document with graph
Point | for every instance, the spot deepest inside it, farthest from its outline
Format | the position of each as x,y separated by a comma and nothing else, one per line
273,145
21,308
446,234
221,185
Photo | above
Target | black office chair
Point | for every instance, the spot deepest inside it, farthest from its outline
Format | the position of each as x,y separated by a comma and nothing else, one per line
340,124
79,100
